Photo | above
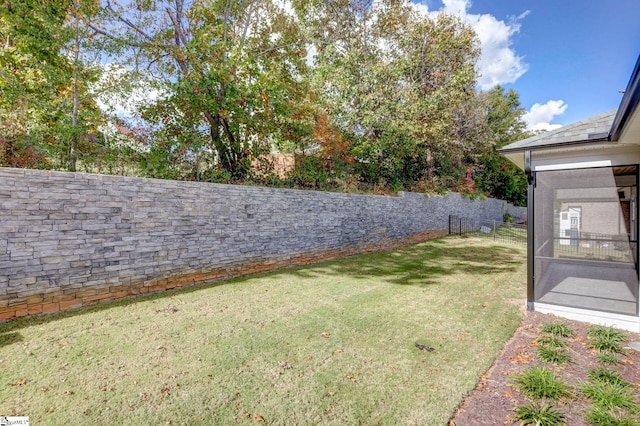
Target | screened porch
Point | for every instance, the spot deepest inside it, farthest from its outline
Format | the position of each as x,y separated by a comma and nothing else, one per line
585,239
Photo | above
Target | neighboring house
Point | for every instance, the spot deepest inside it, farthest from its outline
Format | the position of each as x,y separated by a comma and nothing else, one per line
583,215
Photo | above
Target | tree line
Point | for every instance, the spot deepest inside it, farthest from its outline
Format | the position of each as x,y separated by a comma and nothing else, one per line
369,95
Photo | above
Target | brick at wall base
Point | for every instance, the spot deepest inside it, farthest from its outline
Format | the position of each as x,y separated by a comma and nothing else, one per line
57,302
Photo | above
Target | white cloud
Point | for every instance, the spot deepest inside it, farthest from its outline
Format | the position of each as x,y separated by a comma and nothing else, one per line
312,51
540,116
498,64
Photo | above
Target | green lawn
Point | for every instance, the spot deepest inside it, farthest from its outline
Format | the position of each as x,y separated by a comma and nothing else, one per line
505,234
331,343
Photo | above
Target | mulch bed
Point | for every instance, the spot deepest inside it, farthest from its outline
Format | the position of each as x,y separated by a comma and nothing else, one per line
493,400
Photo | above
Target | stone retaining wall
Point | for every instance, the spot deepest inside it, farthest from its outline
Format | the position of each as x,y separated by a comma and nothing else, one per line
71,239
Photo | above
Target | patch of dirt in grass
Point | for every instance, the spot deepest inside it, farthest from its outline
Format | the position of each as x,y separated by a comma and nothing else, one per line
494,398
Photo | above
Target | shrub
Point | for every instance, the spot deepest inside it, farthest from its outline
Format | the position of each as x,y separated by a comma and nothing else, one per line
539,415
555,355
540,383
608,358
600,416
558,329
604,375
608,395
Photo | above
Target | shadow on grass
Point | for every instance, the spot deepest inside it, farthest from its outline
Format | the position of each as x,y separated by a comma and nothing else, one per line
8,328
10,338
421,264
418,264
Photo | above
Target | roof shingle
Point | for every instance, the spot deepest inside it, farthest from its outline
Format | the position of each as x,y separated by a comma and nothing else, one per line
590,130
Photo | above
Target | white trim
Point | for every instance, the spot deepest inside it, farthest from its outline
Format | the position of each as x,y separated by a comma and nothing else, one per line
568,166
624,322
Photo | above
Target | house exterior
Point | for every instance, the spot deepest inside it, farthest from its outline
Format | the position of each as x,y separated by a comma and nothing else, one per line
583,215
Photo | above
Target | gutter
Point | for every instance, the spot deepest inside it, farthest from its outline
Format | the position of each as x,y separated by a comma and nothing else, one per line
628,104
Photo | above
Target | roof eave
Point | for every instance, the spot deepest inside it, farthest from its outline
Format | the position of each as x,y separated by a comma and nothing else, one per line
554,145
628,104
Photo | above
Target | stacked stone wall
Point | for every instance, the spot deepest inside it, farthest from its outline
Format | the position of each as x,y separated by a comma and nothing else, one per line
72,239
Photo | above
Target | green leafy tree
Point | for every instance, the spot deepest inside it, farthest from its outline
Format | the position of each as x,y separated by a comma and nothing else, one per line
400,86
230,75
43,83
29,79
496,175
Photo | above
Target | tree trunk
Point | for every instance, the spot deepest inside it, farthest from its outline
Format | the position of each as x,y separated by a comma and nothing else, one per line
74,115
230,155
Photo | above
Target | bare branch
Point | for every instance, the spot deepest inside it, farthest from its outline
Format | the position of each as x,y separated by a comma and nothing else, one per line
128,23
247,22
180,37
111,36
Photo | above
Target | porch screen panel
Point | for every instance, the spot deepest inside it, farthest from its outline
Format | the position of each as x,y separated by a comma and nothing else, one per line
586,239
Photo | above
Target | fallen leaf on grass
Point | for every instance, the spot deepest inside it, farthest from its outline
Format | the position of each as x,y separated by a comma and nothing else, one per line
338,351
258,418
285,365
325,334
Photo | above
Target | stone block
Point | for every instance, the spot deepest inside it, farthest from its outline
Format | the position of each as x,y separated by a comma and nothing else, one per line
49,308
34,309
7,315
70,304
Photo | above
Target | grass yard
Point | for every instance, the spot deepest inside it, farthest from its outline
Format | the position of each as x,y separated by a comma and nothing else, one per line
509,234
330,343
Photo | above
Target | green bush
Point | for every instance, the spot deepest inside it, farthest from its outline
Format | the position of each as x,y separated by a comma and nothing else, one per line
539,383
539,415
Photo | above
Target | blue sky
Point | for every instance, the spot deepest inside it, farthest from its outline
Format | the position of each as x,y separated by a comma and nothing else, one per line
568,56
